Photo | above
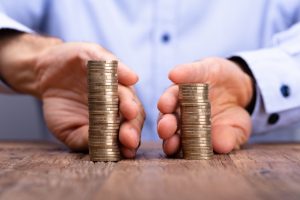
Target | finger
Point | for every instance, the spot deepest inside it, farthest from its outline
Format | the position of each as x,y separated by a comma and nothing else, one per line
89,51
128,153
125,75
197,72
130,131
169,99
129,136
167,126
128,105
230,129
171,145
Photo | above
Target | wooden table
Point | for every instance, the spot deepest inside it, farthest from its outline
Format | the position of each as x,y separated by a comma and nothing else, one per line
40,170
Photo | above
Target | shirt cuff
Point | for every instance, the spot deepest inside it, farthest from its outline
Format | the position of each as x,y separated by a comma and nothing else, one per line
277,76
259,116
263,122
8,23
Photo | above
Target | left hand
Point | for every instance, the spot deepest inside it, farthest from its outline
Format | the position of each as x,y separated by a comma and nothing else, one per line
231,90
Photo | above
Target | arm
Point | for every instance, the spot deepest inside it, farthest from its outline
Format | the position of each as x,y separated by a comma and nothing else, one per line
55,72
18,51
276,72
7,24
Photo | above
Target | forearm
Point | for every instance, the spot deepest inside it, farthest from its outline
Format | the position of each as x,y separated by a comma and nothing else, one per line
18,56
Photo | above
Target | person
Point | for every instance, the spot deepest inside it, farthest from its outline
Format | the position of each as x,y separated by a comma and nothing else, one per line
247,51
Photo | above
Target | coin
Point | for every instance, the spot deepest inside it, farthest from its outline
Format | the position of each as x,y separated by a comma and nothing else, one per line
196,126
195,118
103,104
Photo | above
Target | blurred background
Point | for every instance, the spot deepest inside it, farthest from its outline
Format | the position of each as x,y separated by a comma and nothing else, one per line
21,118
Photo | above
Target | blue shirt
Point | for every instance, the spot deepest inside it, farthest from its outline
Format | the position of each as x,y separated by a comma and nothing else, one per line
152,36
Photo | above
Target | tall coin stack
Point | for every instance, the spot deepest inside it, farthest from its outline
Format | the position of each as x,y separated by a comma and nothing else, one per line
195,121
103,103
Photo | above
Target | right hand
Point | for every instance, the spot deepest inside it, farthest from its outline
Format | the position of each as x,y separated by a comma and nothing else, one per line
63,89
56,73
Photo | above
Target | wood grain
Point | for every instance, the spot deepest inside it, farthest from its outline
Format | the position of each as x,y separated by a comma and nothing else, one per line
40,170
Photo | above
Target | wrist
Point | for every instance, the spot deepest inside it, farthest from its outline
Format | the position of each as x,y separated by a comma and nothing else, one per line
18,57
251,83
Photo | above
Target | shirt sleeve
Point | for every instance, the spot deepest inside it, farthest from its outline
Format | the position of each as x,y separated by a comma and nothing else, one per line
277,73
8,23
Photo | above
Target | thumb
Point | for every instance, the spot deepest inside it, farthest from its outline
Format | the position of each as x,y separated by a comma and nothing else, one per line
197,72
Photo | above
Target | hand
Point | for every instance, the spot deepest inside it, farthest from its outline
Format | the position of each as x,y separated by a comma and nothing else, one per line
56,73
231,90
63,88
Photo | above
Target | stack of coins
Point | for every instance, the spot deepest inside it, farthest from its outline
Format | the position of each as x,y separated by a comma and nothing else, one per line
195,121
103,103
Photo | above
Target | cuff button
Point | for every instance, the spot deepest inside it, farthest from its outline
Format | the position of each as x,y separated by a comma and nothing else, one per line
273,118
285,90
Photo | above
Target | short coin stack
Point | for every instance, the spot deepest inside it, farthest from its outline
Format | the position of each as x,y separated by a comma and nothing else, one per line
103,103
195,121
